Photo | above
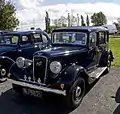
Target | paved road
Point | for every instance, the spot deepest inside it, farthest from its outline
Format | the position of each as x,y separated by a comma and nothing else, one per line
103,98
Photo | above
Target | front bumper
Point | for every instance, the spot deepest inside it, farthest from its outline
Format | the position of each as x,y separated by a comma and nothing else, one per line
41,88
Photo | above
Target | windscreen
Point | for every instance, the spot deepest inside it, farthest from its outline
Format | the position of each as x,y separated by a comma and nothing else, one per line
76,38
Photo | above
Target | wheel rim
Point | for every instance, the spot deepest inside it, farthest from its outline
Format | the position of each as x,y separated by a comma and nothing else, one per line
77,94
3,72
109,63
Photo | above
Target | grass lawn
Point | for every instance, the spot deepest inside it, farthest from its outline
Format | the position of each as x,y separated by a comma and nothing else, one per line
115,47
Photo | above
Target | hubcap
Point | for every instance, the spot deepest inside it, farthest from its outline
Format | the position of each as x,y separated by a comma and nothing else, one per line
3,72
77,92
109,62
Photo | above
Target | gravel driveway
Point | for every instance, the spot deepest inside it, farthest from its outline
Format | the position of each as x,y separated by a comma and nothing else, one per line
103,98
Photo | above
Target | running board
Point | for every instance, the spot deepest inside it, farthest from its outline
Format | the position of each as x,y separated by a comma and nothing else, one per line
96,74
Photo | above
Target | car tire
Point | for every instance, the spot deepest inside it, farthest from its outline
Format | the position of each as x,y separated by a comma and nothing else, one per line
3,71
108,64
76,93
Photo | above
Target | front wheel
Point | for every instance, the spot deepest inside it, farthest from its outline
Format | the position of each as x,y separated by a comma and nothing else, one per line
76,93
3,73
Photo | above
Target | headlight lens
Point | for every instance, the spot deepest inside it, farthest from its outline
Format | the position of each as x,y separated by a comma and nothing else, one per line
20,61
55,67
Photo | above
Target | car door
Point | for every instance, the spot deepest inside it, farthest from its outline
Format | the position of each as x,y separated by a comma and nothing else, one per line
40,41
26,48
31,43
94,51
102,43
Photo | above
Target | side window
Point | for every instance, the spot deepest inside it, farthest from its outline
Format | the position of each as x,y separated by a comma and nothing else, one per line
26,39
44,39
92,39
37,38
8,41
14,39
101,37
106,37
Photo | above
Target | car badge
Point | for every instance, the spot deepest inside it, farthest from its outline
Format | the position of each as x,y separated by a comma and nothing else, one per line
39,80
29,78
39,63
25,77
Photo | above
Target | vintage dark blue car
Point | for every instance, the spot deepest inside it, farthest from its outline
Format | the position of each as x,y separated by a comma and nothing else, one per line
78,56
15,44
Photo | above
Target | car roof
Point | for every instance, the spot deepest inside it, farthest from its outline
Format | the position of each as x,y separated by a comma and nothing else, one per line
82,28
25,32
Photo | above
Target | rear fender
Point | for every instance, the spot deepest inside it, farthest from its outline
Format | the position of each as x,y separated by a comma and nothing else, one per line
111,55
104,57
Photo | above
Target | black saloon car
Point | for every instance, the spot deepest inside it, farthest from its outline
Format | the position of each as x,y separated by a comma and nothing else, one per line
15,44
78,56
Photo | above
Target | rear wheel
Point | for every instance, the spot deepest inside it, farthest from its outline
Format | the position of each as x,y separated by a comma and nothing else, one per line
76,93
108,64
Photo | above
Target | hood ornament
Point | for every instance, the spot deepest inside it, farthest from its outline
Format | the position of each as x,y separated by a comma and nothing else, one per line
25,77
39,80
29,78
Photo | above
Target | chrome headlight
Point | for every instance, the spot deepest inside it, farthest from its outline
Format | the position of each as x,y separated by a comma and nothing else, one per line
55,67
23,63
20,61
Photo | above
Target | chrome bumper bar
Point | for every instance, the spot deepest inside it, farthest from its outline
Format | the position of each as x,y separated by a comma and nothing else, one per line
45,89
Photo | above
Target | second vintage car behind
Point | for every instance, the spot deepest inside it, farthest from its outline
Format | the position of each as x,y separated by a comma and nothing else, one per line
20,43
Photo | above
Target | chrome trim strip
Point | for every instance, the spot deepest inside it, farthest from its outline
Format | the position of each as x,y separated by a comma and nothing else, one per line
45,77
45,89
33,70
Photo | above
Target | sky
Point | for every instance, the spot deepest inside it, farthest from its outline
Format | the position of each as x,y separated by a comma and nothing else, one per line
32,12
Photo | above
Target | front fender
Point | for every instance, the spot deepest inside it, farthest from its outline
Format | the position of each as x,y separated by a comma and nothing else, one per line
16,72
6,60
72,73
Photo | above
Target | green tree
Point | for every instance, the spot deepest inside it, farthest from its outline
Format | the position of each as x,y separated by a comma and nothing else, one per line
68,18
53,27
62,21
38,28
47,22
98,19
8,19
87,21
55,22
78,19
117,24
73,20
82,21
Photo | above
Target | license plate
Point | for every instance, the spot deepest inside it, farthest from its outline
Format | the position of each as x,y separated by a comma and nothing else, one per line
32,92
